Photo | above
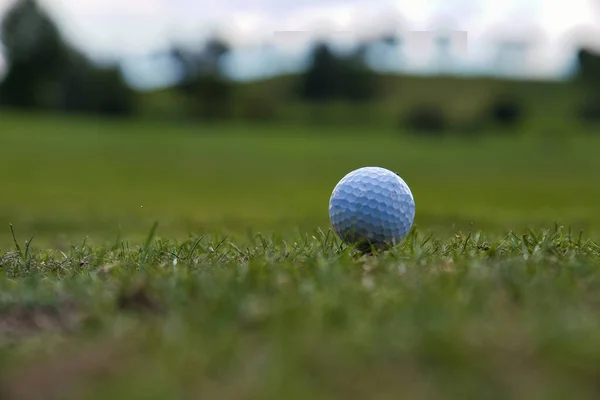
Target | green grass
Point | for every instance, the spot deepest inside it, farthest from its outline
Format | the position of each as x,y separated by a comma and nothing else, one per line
75,178
464,100
242,292
508,317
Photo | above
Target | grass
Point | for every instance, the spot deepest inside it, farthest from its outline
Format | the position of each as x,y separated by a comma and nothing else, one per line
460,97
513,316
65,180
228,283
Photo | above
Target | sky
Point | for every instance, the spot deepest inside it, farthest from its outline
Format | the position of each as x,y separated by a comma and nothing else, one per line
129,30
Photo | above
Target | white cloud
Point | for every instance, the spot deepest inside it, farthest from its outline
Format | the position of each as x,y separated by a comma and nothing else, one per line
112,26
124,27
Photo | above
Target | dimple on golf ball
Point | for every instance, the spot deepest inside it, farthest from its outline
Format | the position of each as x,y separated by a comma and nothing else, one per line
372,205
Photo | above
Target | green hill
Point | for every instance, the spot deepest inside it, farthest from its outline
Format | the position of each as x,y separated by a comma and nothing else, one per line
460,97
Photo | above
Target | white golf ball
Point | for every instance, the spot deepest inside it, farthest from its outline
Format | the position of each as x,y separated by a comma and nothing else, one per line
372,205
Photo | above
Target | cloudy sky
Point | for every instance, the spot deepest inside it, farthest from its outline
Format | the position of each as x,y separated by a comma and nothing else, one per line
134,28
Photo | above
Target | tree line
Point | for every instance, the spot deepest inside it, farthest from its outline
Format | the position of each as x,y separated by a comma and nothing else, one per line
44,72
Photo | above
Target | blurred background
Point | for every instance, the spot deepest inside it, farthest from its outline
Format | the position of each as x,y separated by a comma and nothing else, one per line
241,116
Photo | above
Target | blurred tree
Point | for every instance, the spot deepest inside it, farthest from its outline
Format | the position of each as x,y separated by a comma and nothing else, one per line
506,111
320,81
211,96
45,72
588,67
87,88
425,119
333,77
214,50
588,75
114,96
35,52
358,81
208,92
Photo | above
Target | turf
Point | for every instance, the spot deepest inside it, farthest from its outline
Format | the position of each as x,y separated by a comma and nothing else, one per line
471,315
228,282
64,180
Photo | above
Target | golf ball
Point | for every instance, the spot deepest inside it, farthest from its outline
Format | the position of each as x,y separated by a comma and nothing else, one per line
372,205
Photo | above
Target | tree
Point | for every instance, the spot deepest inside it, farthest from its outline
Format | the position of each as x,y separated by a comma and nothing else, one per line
35,52
588,67
506,110
45,72
208,92
588,75
334,77
358,82
321,80
102,91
